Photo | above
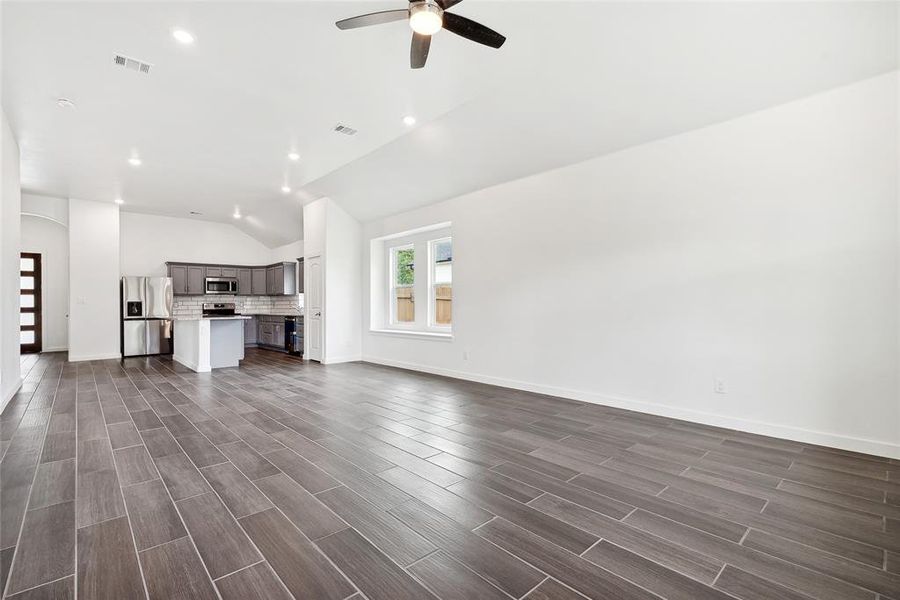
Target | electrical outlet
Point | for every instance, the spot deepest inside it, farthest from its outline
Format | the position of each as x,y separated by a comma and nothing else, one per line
465,355
719,386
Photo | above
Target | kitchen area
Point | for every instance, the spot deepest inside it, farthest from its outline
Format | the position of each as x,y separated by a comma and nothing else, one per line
206,315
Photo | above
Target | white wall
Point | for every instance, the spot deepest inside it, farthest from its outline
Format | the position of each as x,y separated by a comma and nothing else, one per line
48,207
329,232
148,241
51,240
763,251
10,201
93,280
343,298
290,252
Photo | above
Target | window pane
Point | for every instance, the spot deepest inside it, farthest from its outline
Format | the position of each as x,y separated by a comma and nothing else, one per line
442,254
443,261
443,304
26,337
404,266
26,283
27,301
26,318
26,264
405,305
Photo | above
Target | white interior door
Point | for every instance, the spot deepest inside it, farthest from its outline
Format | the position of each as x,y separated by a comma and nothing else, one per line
313,300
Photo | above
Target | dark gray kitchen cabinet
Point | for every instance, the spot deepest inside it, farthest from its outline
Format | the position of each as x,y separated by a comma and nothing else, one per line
270,281
250,332
258,278
279,279
195,276
245,281
266,333
300,276
178,273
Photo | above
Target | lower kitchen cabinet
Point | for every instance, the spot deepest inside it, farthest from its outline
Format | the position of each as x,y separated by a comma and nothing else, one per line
250,332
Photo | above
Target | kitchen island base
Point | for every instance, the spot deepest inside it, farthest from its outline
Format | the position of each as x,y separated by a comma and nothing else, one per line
205,344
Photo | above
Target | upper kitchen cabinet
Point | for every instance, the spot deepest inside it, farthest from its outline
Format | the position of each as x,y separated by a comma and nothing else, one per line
279,279
195,276
300,276
270,280
245,281
178,273
258,287
284,279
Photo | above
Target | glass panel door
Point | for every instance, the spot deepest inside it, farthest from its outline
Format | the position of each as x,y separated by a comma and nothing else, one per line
30,302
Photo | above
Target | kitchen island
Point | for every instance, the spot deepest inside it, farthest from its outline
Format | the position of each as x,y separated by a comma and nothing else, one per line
206,343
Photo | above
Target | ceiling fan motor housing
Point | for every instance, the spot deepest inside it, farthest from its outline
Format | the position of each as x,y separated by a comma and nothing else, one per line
426,17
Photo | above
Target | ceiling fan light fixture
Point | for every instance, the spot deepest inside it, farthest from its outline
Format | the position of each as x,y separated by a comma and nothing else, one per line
426,18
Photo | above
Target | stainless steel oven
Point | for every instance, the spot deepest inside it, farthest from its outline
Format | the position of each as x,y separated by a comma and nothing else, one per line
221,285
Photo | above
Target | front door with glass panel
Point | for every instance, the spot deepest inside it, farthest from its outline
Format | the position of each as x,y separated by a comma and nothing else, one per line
30,302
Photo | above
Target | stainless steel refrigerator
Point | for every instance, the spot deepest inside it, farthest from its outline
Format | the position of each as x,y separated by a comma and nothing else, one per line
147,326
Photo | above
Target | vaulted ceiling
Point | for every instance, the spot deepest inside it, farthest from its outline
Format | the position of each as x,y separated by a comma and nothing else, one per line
213,122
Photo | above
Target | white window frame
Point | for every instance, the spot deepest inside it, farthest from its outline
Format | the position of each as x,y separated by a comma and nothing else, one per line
433,325
383,299
392,287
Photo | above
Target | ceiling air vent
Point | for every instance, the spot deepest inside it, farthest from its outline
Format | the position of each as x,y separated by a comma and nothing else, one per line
132,64
344,129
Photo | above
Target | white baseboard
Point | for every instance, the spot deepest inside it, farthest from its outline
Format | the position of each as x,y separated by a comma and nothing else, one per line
341,359
55,349
787,432
83,357
8,395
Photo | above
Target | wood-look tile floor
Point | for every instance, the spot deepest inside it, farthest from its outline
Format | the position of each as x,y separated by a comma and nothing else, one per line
283,479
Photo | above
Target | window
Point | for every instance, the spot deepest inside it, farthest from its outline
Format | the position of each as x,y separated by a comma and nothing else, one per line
440,254
30,302
412,282
403,279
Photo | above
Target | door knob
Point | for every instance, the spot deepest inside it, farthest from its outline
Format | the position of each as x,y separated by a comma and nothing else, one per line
318,314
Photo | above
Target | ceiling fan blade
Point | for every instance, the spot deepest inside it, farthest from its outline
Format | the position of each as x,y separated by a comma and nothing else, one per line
375,18
418,51
445,4
471,30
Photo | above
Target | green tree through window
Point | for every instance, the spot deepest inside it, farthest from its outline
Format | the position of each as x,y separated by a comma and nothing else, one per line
405,266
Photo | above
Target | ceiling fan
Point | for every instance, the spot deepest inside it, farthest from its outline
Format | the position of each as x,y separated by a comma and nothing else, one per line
427,17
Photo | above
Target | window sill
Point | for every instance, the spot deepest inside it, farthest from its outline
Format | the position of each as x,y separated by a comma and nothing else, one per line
428,335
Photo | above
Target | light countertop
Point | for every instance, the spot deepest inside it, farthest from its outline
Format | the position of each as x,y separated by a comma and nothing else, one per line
229,318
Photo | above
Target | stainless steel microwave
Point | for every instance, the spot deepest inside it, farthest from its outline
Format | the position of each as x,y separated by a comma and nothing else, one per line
221,285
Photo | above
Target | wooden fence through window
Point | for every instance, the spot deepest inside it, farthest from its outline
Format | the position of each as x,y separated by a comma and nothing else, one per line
443,310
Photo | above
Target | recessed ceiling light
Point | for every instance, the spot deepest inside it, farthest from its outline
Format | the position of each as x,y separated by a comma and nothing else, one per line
119,201
65,103
409,120
294,156
286,189
185,37
134,161
236,215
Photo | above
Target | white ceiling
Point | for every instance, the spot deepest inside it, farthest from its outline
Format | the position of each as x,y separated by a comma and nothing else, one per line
213,122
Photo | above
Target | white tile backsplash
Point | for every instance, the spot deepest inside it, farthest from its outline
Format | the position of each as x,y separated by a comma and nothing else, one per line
192,306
